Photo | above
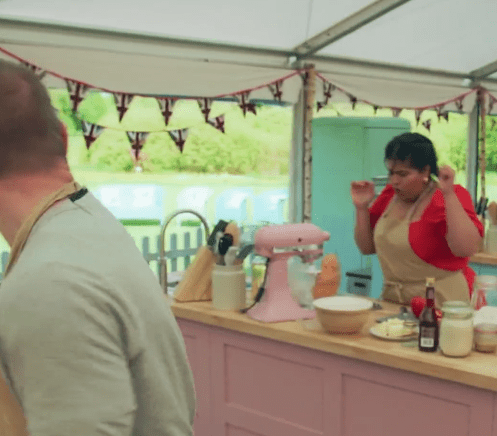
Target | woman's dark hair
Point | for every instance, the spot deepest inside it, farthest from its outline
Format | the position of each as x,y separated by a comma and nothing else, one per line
415,149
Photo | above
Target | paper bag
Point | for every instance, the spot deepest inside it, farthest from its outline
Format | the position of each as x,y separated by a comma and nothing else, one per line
12,421
196,284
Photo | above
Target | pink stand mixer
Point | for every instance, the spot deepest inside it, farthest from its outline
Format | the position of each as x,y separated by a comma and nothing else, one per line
278,243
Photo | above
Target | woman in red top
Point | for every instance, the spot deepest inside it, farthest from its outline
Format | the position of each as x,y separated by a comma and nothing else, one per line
418,226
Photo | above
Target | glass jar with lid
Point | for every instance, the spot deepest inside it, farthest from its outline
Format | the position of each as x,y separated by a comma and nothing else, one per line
456,329
485,292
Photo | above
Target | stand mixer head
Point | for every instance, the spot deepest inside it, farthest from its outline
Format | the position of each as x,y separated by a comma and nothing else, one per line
278,243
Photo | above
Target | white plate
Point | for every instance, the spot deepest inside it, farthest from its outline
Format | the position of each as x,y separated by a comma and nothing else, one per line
378,334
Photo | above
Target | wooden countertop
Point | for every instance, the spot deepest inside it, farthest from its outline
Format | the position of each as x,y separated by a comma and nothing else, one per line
477,369
484,258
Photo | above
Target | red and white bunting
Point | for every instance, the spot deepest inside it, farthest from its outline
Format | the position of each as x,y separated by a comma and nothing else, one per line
491,102
90,132
122,103
166,108
77,93
439,110
217,123
444,115
321,105
276,90
328,88
245,104
179,137
137,140
427,124
205,105
459,104
353,100
417,114
396,111
39,72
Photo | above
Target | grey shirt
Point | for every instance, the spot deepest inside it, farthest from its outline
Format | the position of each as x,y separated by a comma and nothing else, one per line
87,339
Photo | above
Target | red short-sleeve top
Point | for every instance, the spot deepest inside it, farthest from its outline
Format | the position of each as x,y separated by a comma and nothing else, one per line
427,236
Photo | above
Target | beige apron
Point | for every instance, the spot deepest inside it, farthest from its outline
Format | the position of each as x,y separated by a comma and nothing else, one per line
404,273
25,229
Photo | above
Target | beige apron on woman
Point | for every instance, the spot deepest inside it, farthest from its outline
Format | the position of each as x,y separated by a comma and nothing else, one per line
12,421
404,273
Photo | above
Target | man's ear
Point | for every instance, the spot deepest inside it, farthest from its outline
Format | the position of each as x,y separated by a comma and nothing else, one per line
65,136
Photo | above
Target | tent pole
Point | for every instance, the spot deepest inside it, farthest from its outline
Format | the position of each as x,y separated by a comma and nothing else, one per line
472,152
296,161
309,95
483,135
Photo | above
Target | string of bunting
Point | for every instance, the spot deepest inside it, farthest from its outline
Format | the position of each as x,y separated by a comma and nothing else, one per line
329,88
79,90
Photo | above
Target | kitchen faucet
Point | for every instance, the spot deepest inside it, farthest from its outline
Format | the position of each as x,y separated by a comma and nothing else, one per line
162,249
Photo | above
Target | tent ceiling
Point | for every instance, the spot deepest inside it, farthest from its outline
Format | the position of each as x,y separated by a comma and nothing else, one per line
416,54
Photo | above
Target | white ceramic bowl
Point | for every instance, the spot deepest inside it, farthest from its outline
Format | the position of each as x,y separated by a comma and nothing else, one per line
342,313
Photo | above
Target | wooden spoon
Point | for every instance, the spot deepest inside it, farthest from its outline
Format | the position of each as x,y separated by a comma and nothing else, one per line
234,231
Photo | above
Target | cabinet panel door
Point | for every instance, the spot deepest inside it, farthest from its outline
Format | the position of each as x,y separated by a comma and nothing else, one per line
338,159
197,342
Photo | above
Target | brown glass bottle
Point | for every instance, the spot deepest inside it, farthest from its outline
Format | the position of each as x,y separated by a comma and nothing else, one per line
428,324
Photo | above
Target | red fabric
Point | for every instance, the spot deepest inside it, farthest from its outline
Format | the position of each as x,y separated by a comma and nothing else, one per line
427,236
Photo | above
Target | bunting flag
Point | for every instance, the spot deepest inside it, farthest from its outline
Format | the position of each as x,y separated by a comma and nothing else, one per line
137,140
217,123
90,132
375,108
458,103
427,124
276,90
321,105
40,72
353,100
245,104
179,137
439,110
491,102
493,122
122,103
77,93
328,88
205,107
396,111
166,108
417,114
445,115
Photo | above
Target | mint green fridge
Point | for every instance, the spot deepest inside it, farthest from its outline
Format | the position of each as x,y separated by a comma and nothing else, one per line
343,150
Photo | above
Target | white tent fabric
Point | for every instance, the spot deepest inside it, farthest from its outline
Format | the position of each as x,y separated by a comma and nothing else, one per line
415,55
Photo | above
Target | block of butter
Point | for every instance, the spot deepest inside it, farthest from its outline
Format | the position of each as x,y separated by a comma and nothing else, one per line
395,327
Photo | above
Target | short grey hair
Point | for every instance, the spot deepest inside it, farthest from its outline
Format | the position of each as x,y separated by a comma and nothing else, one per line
30,133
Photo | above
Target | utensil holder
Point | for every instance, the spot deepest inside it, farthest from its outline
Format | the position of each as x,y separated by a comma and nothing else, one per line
228,287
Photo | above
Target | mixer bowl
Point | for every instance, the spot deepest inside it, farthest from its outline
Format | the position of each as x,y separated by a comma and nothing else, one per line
342,313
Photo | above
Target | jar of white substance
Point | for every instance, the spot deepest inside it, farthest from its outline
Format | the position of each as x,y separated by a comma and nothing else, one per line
456,329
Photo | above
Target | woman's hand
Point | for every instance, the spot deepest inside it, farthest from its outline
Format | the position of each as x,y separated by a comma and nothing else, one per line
446,179
362,193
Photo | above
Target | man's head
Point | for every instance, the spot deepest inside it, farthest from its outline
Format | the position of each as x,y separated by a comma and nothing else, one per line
32,139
